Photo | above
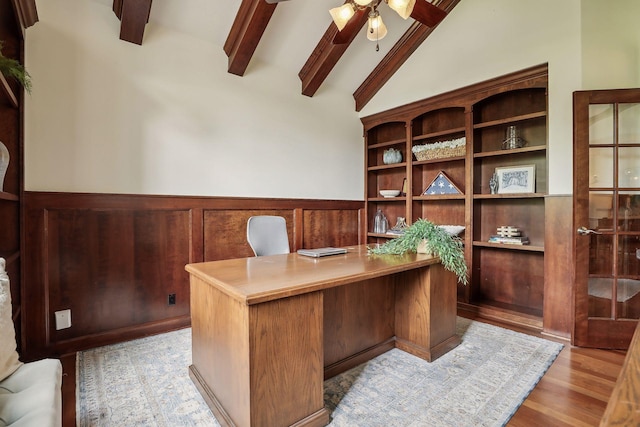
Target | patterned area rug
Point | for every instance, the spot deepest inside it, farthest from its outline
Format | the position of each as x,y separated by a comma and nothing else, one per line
482,382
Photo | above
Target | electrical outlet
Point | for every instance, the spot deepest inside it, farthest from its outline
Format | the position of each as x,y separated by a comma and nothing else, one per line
63,319
172,299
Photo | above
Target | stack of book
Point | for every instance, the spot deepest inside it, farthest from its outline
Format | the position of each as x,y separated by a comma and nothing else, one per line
509,235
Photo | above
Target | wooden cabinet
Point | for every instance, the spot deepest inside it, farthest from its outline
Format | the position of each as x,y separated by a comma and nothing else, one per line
507,280
11,119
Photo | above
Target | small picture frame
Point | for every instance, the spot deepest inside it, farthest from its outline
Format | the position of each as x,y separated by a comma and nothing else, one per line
516,179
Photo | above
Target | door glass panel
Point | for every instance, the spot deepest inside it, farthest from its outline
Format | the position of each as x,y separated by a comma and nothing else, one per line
629,123
601,210
628,304
601,167
601,124
629,256
629,167
629,211
601,255
600,291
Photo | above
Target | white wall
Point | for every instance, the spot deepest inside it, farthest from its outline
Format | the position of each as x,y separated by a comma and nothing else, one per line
170,120
588,44
166,118
480,40
611,58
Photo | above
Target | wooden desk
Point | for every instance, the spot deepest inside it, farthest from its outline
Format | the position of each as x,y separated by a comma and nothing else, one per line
268,330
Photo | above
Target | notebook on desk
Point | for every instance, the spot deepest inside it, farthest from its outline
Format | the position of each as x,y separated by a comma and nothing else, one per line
319,252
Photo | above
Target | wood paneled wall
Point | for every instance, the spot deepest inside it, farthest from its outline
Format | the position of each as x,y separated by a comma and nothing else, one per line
558,266
114,259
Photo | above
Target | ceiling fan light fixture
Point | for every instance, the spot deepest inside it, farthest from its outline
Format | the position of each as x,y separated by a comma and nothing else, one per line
363,2
342,14
377,30
402,7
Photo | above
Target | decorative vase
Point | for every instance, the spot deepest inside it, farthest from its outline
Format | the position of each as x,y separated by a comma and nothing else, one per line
380,223
512,139
391,156
4,163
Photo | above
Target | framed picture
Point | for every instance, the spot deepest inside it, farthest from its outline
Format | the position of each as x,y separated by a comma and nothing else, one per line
516,179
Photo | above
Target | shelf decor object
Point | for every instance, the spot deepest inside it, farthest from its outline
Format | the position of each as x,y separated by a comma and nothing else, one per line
441,149
493,183
509,235
442,184
388,194
512,139
391,156
4,163
399,228
380,223
516,179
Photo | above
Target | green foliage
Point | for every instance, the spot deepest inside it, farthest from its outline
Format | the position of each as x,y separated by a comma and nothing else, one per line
447,247
12,68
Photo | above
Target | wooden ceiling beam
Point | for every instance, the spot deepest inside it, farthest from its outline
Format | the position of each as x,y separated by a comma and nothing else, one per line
133,15
325,56
398,55
26,12
245,34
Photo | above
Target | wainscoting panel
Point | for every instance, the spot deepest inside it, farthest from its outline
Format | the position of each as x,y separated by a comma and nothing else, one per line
120,264
113,260
332,227
558,268
225,232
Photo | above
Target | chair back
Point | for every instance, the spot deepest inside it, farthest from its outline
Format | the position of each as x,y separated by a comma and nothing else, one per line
267,235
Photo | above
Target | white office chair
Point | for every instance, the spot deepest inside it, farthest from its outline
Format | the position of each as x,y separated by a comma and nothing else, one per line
267,235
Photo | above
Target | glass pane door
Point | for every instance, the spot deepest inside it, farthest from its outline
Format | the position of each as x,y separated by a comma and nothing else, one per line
614,211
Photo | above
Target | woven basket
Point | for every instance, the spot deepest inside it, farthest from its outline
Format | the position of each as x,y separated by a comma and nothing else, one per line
440,153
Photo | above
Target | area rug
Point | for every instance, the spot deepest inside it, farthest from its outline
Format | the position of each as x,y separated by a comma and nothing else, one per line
482,382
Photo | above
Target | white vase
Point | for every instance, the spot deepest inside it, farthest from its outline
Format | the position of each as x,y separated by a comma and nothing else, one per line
4,163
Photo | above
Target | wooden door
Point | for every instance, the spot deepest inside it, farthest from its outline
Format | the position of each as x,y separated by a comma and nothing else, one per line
606,172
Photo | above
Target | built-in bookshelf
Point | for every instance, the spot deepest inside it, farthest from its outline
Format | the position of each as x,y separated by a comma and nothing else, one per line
504,278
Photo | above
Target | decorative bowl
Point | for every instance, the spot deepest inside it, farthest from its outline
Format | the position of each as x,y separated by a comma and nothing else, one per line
454,230
389,193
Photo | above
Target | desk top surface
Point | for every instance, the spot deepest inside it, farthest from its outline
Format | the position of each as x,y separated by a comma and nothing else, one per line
259,279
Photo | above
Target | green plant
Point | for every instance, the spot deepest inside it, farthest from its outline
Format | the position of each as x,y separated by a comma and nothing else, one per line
12,68
447,247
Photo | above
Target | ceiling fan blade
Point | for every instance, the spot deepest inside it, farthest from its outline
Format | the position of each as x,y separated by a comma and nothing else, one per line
427,14
350,30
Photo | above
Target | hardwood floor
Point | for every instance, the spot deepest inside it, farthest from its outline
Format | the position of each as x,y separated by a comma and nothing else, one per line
573,392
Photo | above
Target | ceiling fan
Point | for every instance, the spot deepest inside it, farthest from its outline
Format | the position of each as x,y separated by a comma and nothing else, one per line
350,17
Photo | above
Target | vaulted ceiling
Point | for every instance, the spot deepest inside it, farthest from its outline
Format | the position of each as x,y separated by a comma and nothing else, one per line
261,29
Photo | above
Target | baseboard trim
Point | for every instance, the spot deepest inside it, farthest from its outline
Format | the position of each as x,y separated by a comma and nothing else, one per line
358,358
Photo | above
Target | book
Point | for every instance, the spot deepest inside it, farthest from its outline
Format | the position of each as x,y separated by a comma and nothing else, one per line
509,240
